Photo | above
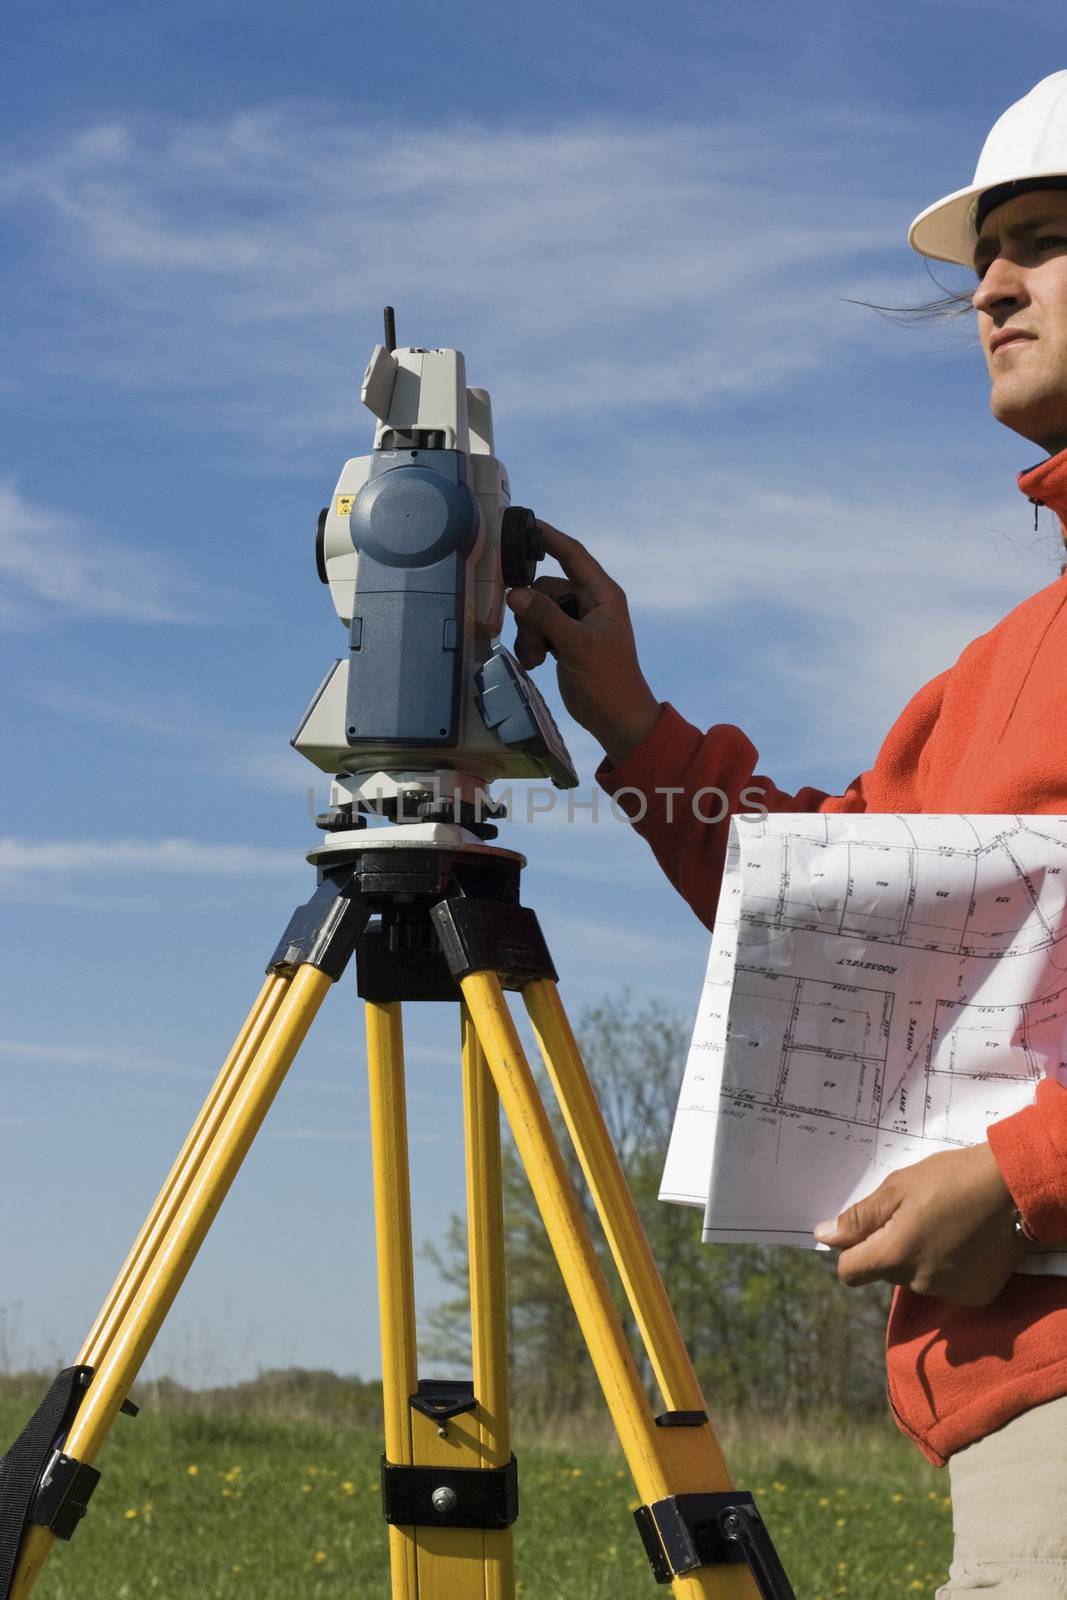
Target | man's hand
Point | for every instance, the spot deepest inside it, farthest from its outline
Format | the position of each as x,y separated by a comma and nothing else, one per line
600,680
942,1227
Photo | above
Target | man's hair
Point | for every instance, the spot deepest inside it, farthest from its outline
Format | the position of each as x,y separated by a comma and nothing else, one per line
949,306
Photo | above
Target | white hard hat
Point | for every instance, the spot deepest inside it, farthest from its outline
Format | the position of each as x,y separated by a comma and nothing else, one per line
1026,144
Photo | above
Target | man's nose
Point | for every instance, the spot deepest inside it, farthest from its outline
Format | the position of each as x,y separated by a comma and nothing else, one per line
1003,285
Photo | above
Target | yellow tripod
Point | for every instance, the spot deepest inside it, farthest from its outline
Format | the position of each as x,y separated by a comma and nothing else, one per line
432,914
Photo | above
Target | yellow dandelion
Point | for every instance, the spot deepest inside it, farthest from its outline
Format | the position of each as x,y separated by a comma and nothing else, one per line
226,1494
231,1476
780,1487
839,1522
320,1557
148,1508
632,1505
823,1501
193,1470
933,1495
576,1472
236,1568
305,1488
347,1487
946,1501
917,1583
131,1512
842,1566
896,1498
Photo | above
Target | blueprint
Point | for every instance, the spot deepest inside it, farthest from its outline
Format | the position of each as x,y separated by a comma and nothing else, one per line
879,988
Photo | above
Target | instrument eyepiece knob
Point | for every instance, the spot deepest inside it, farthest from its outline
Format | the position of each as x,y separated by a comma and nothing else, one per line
522,546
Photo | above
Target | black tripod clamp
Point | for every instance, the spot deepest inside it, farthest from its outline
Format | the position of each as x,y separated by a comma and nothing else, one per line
419,918
687,1531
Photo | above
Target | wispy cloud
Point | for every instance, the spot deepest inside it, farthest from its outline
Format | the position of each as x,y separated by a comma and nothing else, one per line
159,855
120,1058
222,750
586,268
52,561
853,570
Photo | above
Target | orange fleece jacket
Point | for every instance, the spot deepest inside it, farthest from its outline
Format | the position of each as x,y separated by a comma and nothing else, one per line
988,735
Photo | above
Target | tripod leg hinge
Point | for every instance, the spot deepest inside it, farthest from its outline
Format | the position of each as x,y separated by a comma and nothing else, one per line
492,936
450,1497
687,1531
325,930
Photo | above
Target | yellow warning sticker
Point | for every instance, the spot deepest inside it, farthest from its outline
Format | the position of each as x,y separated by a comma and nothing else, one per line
344,504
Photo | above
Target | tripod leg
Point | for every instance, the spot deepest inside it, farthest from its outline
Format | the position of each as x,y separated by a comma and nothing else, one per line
155,1295
622,1226
485,1249
665,1461
396,1281
428,1562
183,1171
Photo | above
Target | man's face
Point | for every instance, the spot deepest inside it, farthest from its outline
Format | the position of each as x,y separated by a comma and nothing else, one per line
1021,301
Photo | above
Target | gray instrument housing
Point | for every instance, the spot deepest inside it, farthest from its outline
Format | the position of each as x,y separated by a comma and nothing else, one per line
414,525
426,699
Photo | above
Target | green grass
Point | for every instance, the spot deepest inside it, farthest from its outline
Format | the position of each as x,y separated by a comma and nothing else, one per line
232,1505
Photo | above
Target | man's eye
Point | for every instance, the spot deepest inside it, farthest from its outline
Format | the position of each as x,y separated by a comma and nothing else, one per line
1050,241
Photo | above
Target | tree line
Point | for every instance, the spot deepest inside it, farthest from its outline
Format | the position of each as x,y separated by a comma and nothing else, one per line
770,1328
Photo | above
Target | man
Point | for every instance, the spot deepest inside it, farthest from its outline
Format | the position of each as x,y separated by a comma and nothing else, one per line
977,1344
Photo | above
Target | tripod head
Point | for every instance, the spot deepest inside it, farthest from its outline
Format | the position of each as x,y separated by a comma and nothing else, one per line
418,545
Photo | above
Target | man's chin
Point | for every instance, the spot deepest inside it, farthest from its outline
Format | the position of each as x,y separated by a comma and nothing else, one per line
1043,422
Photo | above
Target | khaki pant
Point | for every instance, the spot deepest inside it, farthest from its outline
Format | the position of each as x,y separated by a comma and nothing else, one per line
1009,1509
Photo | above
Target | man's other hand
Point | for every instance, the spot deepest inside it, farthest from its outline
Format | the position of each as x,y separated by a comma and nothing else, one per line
942,1227
600,679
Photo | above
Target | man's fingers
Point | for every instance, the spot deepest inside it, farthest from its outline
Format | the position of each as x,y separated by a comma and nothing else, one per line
530,645
870,1248
859,1221
530,648
578,564
539,615
874,1261
557,589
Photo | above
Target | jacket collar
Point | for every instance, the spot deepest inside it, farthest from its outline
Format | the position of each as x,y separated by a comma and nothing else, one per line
1046,485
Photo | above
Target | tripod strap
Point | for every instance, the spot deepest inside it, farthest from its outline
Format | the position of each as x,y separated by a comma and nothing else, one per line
38,1483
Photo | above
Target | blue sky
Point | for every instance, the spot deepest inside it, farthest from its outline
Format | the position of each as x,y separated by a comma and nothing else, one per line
643,226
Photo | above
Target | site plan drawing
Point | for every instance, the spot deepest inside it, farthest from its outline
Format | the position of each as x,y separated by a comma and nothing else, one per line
879,988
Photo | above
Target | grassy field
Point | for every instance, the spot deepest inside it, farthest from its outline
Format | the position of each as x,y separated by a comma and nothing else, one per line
230,1505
